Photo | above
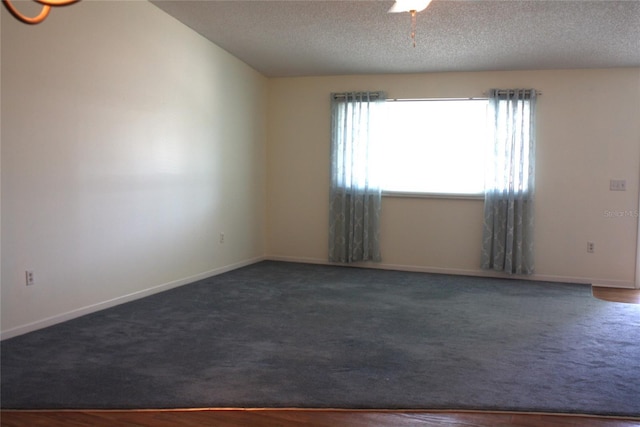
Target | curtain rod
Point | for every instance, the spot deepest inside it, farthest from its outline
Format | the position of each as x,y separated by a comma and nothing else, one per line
484,96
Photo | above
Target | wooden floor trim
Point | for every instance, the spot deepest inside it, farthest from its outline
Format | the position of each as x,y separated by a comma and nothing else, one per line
628,296
291,417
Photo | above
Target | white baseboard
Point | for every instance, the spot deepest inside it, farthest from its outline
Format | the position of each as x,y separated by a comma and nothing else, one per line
59,318
466,272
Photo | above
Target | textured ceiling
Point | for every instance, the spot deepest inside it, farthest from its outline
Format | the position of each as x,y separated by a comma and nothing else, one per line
305,38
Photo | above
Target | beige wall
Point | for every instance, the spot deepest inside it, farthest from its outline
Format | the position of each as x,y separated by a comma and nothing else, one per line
129,143
588,133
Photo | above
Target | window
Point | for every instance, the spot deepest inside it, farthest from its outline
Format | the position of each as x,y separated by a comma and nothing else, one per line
434,146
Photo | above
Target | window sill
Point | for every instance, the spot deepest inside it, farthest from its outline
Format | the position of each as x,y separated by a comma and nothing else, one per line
433,195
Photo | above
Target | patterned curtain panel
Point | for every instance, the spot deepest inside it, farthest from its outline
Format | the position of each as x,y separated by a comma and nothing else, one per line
355,195
507,239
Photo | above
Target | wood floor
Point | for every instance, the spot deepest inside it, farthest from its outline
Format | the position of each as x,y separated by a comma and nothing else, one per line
317,418
298,418
631,296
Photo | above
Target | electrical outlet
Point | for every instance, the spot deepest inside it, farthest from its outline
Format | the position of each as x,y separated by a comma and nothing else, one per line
221,237
29,277
591,247
618,185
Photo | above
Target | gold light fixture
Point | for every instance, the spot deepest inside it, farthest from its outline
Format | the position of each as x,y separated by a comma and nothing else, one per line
44,12
413,7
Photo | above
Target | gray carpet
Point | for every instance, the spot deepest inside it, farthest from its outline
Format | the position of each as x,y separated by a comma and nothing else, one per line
293,335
